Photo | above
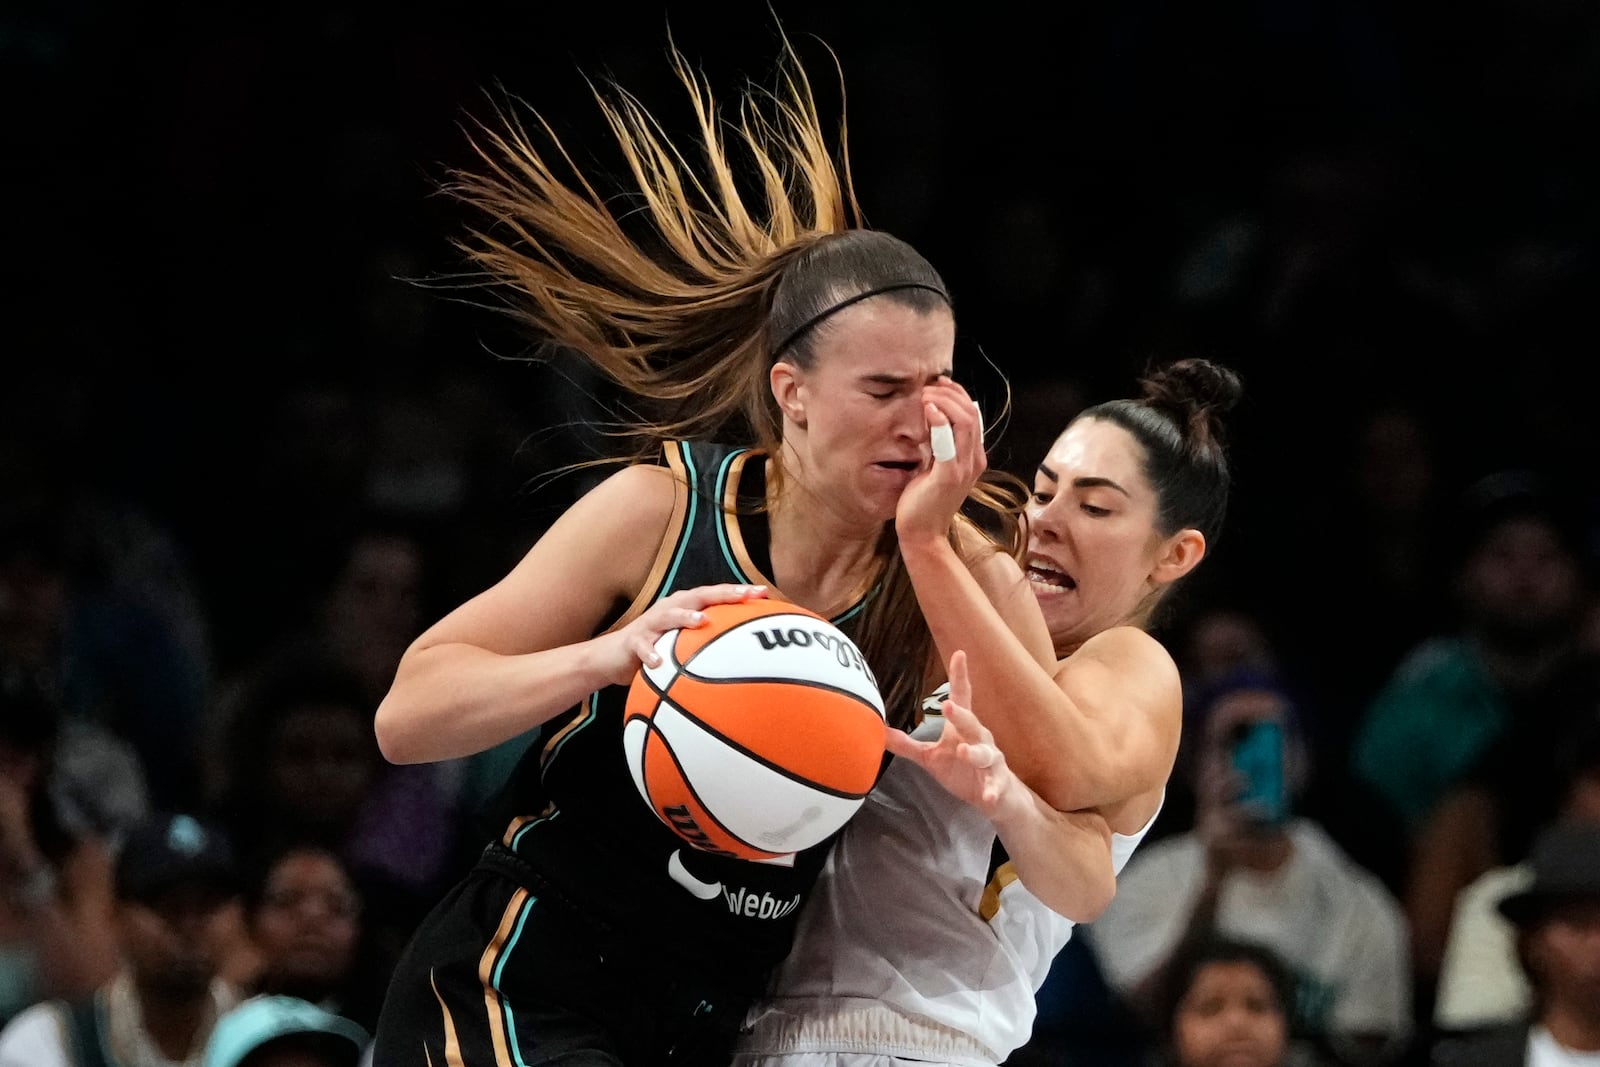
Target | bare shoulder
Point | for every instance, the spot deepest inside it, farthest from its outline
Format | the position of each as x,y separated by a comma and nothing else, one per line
642,489
1129,646
1123,665
1126,677
619,522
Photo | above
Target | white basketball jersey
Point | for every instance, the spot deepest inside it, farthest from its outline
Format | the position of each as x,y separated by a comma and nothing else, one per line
909,946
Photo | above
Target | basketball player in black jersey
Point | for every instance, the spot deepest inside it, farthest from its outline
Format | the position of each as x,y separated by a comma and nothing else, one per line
589,933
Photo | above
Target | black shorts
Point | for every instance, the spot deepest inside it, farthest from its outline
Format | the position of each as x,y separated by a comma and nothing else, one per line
501,974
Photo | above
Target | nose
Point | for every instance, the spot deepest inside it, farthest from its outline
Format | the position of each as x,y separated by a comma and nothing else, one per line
910,422
1238,1021
1044,521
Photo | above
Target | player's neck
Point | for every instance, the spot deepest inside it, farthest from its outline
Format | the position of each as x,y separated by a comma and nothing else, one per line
823,569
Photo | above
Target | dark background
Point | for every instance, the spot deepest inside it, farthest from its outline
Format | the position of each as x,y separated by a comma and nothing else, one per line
215,218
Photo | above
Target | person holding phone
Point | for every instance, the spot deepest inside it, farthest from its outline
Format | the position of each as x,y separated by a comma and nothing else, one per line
1253,868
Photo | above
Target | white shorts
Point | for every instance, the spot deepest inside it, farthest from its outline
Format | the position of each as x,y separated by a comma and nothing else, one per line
827,1059
851,1032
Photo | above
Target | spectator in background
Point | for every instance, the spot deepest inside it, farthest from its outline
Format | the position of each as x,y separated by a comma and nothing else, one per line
1514,667
1230,638
305,768
1557,917
361,601
1520,586
1252,869
96,606
56,919
1385,501
1227,1004
365,596
1221,640
1218,641
1481,983
281,1031
176,909
303,918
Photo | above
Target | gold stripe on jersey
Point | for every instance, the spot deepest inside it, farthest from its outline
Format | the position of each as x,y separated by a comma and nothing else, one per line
493,1002
677,527
554,742
735,535
452,1044
519,822
989,903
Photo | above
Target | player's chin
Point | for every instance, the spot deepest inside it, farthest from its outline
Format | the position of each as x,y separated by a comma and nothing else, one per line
881,505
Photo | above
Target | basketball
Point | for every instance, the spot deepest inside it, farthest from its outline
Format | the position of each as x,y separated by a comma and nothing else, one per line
759,734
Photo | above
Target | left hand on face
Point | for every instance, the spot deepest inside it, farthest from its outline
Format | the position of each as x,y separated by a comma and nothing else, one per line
933,497
965,759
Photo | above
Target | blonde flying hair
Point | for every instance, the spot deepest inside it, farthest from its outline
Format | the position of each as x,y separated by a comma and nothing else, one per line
685,300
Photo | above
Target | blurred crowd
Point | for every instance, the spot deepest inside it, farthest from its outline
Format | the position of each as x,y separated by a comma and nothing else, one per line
249,453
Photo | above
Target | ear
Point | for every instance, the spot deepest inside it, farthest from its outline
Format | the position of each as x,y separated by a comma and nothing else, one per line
1180,554
786,387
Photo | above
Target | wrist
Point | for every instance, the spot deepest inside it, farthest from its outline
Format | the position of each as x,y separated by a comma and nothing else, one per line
924,546
603,660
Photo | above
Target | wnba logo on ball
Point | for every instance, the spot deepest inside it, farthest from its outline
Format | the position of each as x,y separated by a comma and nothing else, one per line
840,646
680,819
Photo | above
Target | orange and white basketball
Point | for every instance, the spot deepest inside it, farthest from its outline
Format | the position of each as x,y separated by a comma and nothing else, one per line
759,734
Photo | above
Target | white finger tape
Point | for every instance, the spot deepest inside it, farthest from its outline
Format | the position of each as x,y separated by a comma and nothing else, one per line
942,439
979,411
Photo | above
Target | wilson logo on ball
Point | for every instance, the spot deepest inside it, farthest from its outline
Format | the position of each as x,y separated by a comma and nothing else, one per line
759,734
829,641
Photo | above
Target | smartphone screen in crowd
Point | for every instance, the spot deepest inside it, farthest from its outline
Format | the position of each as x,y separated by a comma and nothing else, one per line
1257,752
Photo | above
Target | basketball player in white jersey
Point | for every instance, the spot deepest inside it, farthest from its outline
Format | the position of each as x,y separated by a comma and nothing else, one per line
946,898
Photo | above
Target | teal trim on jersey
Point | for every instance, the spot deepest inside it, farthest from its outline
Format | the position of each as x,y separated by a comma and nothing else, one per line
688,519
860,606
499,969
721,485
517,837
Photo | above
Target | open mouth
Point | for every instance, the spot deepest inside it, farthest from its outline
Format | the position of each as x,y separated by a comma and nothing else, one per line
900,464
1043,572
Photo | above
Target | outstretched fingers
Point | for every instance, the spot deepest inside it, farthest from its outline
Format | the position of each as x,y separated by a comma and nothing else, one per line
960,680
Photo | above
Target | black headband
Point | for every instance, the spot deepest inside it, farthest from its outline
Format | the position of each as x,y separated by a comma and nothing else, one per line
794,334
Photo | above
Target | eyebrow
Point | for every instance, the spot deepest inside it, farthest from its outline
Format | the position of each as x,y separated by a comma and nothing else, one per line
903,379
1084,483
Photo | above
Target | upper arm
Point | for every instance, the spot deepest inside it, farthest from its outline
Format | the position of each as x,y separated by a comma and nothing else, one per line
1124,680
596,555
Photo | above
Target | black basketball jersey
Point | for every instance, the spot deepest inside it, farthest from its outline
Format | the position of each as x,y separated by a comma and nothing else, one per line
583,825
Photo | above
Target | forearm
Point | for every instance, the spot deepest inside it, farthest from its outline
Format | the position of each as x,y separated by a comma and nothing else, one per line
453,700
1047,740
1063,858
